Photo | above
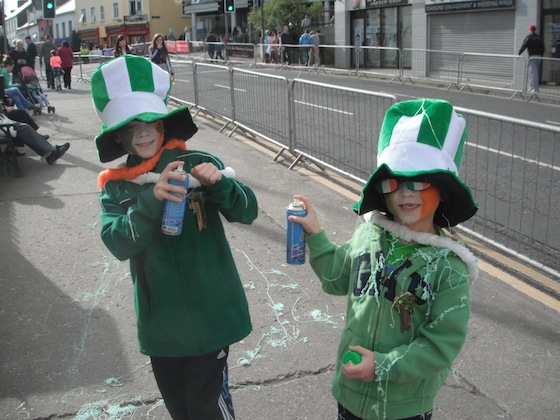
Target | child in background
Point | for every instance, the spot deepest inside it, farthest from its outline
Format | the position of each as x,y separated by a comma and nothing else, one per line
34,87
407,283
56,67
190,302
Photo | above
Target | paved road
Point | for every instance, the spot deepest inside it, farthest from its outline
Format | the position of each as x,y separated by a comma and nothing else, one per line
68,347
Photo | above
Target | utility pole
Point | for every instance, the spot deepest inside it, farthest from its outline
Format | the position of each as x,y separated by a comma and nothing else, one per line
262,21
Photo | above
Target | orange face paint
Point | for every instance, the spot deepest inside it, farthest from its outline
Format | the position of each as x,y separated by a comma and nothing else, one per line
430,201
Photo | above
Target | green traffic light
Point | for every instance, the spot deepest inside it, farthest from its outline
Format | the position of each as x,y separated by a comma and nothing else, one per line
50,5
230,8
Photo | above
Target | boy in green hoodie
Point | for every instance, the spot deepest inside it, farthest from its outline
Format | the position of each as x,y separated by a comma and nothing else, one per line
190,303
407,283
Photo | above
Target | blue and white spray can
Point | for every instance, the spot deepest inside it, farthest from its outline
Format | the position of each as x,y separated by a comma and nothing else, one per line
295,235
173,213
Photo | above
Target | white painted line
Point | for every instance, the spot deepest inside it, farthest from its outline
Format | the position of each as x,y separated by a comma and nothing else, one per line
511,155
228,88
324,107
553,122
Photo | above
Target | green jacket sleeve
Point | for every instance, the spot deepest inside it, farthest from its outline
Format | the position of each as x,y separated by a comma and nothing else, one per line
235,201
330,263
126,232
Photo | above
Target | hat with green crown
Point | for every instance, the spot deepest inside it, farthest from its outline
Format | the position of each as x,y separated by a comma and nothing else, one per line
133,88
422,140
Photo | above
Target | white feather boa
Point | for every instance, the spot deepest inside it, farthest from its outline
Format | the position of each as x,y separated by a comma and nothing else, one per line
425,238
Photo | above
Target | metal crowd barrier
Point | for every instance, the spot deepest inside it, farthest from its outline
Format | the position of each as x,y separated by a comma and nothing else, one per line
448,69
510,164
512,168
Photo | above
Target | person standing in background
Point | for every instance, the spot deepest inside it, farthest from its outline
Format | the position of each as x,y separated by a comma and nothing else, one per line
285,40
122,46
31,50
534,45
211,40
67,57
45,57
159,55
21,59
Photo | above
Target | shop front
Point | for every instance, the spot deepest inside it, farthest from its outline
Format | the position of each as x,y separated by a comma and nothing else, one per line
89,38
136,33
550,32
382,23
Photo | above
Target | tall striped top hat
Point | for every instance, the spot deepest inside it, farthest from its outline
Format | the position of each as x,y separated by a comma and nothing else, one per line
133,88
422,140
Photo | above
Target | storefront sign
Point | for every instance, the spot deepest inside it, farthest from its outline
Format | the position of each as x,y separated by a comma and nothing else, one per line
385,3
470,6
246,51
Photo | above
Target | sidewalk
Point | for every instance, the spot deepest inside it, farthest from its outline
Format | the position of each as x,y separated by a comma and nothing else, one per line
69,346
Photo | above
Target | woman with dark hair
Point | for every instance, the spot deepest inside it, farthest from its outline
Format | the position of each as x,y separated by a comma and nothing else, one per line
13,91
160,56
67,56
122,46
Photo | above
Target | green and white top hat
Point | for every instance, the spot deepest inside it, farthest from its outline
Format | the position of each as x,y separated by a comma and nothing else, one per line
422,140
133,88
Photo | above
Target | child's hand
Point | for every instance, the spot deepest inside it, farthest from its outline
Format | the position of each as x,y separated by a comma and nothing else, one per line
310,222
163,189
207,174
365,370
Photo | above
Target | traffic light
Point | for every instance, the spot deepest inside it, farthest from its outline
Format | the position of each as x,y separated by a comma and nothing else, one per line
228,6
49,9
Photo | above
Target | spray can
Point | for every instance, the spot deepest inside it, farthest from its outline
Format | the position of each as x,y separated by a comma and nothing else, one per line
173,213
295,235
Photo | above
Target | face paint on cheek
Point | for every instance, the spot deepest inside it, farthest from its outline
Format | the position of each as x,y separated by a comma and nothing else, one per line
126,137
430,201
160,132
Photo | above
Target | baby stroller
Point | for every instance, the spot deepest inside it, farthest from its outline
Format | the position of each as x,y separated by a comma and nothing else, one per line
33,87
25,73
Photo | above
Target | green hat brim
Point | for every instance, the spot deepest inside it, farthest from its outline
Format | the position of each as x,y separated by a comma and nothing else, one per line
457,203
178,124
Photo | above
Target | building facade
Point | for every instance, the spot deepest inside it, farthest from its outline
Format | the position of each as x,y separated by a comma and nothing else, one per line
100,22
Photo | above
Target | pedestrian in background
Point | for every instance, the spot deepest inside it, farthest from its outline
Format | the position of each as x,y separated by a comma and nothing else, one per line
314,53
20,59
534,45
285,40
305,41
13,91
67,57
407,282
211,44
220,47
122,46
159,55
31,50
45,57
272,48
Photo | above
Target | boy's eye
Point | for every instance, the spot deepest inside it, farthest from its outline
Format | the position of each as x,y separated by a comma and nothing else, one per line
387,186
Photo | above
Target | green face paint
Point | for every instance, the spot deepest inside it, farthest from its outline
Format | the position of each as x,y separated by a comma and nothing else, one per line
142,139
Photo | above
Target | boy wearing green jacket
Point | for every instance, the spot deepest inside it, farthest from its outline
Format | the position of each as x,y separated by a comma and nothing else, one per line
407,283
190,303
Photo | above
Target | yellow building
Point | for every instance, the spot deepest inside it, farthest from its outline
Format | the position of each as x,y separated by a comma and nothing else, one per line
99,22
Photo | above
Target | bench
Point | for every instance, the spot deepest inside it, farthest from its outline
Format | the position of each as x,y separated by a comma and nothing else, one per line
8,156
